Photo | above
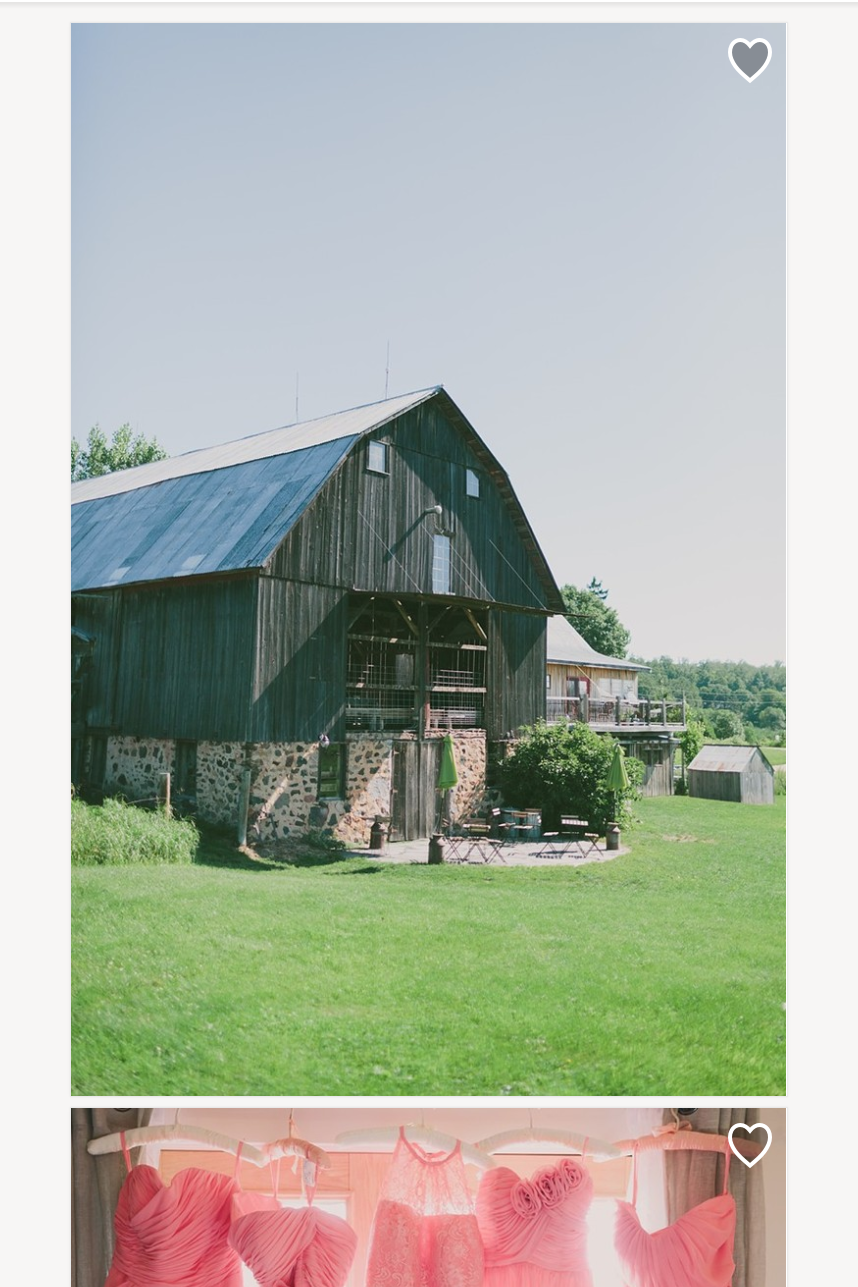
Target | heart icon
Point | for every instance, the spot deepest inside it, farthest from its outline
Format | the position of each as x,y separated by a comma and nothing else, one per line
750,57
740,1126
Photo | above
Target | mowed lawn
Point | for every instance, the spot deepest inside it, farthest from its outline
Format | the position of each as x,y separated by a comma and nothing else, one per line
660,973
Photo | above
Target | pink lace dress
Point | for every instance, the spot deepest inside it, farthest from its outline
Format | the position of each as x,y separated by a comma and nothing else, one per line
425,1231
535,1231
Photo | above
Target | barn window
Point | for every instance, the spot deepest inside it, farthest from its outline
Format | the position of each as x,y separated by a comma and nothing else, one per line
376,457
441,565
472,483
332,760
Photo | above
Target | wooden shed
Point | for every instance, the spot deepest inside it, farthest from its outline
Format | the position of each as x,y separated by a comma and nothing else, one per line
738,773
318,604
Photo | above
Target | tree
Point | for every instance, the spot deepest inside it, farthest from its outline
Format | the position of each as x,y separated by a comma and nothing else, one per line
726,724
563,769
588,612
124,451
690,740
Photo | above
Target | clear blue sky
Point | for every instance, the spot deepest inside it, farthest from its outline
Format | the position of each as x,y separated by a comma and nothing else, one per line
578,229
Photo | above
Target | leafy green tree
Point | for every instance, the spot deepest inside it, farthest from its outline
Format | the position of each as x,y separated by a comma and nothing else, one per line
690,741
726,724
125,450
588,612
562,768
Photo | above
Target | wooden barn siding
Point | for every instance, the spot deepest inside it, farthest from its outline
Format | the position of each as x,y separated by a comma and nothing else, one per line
369,531
185,660
709,785
300,663
516,672
98,614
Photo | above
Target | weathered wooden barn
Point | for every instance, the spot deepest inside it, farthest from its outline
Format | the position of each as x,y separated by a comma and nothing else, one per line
738,773
317,604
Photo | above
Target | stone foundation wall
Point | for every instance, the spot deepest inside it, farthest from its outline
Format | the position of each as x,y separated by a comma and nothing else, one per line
469,797
284,782
133,766
219,766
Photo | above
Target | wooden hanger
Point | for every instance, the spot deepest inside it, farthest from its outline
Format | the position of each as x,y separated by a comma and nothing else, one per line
292,1146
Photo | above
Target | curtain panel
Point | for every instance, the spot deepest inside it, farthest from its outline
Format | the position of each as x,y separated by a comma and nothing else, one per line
693,1177
95,1185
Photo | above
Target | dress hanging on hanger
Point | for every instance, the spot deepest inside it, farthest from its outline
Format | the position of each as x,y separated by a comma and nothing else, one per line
174,1235
695,1251
425,1230
290,1246
534,1231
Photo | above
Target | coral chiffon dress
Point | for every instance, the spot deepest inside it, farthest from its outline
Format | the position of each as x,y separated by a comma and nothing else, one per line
425,1233
173,1235
535,1231
291,1246
695,1251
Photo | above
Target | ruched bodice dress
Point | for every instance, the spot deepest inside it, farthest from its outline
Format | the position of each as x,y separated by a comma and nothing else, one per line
174,1235
695,1251
534,1231
425,1231
291,1246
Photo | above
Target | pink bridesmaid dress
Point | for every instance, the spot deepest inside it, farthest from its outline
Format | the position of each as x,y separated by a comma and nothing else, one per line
695,1251
173,1235
535,1231
425,1233
291,1246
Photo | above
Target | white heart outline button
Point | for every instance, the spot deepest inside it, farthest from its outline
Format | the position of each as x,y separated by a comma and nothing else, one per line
757,40
758,1126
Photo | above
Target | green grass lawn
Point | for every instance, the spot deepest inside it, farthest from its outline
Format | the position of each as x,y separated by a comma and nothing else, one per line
661,973
774,754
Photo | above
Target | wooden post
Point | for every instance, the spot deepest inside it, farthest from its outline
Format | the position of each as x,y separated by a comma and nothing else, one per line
617,710
243,806
664,711
684,713
585,707
164,793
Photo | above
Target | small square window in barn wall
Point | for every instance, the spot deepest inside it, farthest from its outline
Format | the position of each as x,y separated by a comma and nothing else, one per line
332,766
472,483
376,457
186,769
441,565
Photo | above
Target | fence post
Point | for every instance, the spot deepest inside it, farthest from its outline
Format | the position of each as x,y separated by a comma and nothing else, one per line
664,711
164,792
243,806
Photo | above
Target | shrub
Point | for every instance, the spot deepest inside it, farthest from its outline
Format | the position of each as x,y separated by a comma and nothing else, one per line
561,769
780,781
120,834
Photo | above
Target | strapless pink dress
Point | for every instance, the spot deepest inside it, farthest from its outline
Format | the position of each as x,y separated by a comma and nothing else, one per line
425,1233
291,1246
534,1231
174,1235
695,1251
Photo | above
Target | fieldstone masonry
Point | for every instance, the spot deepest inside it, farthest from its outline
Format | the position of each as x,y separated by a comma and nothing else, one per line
284,798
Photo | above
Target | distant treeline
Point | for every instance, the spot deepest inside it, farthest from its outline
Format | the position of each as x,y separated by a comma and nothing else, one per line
731,698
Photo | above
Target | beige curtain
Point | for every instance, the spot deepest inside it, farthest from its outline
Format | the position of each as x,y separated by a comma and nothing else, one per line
693,1177
95,1185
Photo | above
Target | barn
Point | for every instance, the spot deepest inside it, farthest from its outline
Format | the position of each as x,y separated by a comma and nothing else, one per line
738,773
318,605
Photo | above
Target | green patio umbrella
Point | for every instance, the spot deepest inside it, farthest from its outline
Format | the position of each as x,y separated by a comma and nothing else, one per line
447,773
618,778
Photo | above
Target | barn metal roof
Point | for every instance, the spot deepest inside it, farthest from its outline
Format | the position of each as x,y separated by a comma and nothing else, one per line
275,442
726,759
227,508
566,645
216,521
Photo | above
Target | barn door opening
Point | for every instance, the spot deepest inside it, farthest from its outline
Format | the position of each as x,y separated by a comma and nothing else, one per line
415,800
